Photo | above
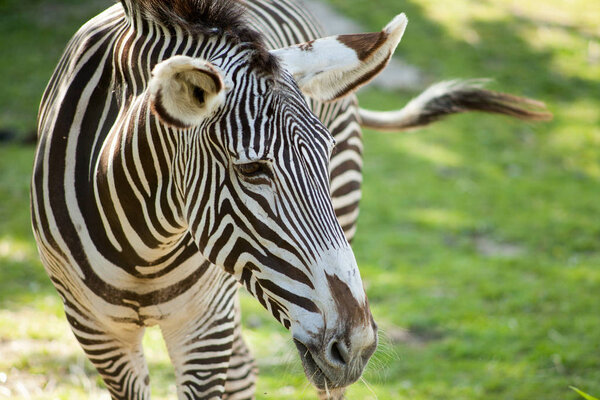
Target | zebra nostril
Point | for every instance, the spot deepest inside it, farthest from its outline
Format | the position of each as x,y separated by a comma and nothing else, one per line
338,353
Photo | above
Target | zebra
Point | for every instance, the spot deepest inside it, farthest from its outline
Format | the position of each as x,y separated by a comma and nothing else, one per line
186,147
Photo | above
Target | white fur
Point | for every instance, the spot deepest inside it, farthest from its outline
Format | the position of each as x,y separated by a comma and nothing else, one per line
327,56
175,79
340,263
326,67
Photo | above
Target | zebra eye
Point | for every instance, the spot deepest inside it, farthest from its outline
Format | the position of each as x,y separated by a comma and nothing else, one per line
250,168
254,171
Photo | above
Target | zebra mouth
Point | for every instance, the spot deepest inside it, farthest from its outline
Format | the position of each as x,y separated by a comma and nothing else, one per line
313,372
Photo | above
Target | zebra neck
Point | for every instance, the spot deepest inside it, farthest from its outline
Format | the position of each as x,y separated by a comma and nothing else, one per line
133,183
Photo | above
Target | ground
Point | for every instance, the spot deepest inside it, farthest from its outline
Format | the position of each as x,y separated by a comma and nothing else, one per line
478,239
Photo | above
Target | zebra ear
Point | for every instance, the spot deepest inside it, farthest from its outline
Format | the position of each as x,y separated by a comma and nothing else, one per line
329,68
184,91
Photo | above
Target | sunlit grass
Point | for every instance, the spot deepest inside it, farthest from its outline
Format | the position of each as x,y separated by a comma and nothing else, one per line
434,153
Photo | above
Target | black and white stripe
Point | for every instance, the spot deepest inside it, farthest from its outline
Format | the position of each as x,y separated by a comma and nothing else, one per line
140,222
286,23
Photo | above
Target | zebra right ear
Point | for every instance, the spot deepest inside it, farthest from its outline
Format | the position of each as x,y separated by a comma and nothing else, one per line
184,91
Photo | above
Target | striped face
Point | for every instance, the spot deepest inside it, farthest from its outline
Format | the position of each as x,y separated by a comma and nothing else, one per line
253,174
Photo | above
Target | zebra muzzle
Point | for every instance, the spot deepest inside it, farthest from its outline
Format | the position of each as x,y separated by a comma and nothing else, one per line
333,364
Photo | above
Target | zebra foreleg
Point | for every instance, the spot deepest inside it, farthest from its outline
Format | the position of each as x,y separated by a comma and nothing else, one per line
242,372
200,347
116,353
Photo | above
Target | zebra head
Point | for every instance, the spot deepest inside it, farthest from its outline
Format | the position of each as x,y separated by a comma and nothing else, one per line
251,168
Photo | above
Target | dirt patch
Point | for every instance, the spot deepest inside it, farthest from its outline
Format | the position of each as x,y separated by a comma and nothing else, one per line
490,248
416,336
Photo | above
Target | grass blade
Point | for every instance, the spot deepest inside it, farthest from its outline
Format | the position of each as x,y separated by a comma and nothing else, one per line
582,394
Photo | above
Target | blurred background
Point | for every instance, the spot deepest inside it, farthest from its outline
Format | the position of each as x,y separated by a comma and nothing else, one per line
478,239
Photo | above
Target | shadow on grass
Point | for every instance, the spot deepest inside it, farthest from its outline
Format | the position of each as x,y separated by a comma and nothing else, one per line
34,34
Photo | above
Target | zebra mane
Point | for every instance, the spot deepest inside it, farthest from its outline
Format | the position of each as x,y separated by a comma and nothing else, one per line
209,17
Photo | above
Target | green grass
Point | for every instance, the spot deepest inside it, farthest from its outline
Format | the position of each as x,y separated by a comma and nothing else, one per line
33,34
583,394
478,240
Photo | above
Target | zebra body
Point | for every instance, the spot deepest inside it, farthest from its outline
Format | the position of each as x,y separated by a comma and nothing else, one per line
177,157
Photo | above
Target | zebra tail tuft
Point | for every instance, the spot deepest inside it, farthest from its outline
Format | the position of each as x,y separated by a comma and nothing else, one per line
453,97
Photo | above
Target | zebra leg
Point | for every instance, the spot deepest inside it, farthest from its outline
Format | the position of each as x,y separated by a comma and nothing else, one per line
242,372
200,340
116,353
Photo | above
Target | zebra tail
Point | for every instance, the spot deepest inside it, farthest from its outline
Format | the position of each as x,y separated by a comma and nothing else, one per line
453,97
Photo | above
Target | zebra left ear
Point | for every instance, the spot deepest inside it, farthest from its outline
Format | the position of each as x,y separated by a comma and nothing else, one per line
184,91
329,68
